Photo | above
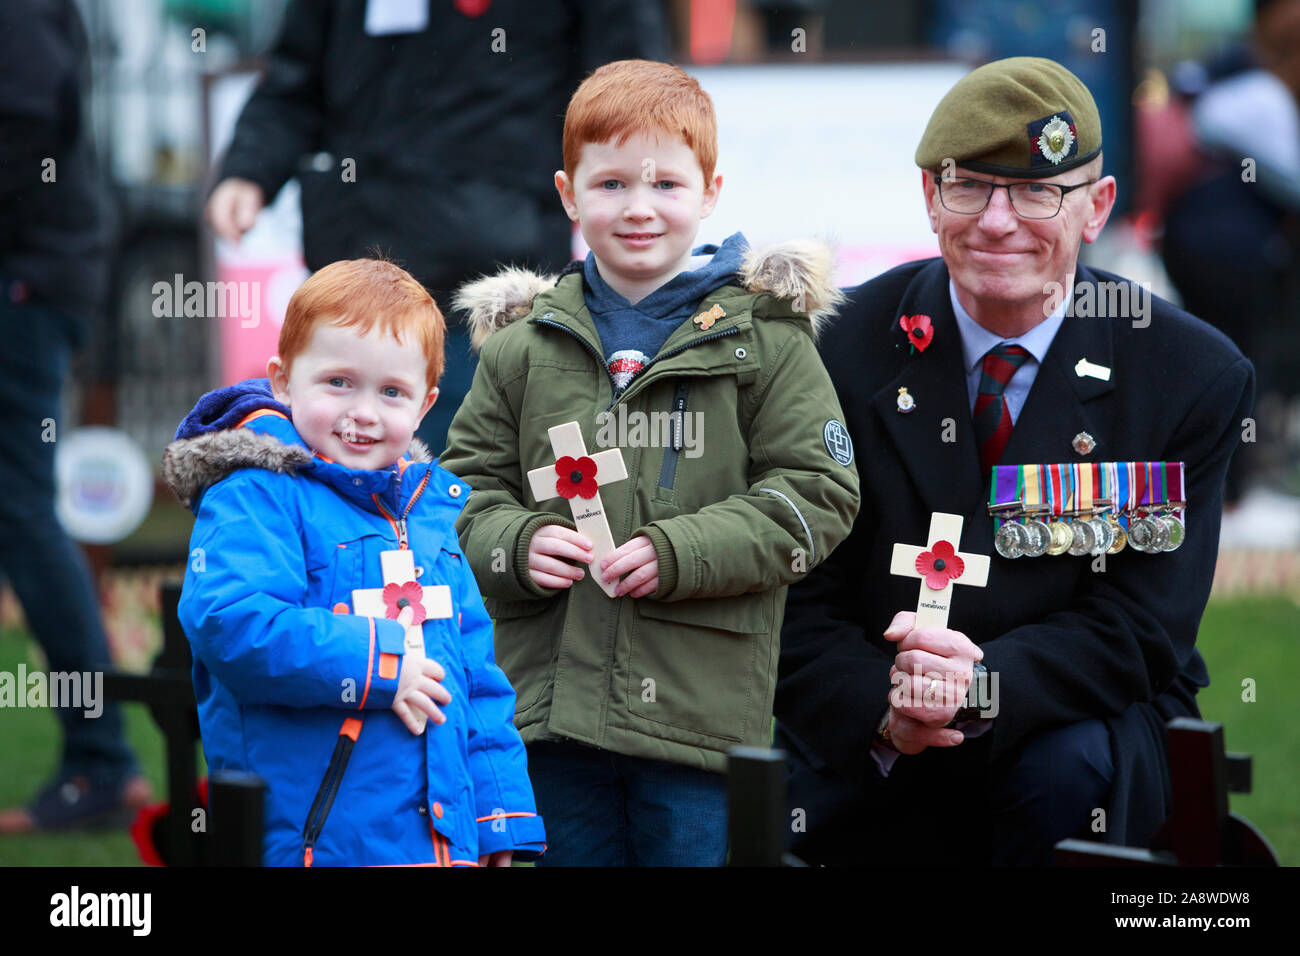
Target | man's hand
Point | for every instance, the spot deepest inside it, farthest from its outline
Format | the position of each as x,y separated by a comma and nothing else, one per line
931,674
417,689
909,736
499,858
637,559
234,206
549,553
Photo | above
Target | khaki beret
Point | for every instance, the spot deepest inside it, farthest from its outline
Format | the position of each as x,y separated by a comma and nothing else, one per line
1025,116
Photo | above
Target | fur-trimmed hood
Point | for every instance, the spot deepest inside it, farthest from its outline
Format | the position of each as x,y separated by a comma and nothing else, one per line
192,465
799,271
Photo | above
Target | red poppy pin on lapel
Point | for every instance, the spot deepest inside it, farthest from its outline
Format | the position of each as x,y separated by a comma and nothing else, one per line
919,330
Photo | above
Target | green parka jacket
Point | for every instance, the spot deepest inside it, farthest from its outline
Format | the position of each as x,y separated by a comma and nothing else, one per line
763,495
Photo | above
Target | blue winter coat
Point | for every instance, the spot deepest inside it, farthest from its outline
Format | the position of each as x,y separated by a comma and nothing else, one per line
280,541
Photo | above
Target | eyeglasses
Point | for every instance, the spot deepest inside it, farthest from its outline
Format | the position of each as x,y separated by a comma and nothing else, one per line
1030,200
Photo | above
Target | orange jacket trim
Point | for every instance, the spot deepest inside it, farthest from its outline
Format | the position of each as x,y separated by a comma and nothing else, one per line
501,816
351,728
259,413
440,851
388,666
370,663
463,863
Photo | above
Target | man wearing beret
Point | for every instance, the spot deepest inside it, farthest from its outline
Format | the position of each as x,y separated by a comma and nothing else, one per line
1004,351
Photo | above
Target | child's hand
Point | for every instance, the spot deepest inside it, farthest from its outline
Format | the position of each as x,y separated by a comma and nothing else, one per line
637,559
417,689
499,858
550,544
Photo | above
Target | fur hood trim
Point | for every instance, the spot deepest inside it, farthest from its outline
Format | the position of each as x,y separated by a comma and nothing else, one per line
191,465
799,271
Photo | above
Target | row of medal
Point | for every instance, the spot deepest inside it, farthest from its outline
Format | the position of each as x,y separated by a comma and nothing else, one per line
1088,508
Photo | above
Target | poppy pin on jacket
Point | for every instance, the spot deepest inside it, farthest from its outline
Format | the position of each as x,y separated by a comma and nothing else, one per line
919,329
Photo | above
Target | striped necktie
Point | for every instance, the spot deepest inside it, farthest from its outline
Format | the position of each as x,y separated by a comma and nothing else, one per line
992,417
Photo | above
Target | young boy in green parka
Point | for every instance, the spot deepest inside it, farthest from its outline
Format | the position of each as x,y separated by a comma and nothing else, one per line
628,704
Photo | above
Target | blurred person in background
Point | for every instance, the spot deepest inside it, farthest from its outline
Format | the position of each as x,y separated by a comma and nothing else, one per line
1231,239
451,114
54,243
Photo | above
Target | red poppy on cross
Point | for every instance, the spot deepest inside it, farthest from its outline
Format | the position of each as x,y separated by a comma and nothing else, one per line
578,477
403,599
940,566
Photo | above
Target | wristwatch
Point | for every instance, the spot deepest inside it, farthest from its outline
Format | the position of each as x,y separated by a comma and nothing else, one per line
971,709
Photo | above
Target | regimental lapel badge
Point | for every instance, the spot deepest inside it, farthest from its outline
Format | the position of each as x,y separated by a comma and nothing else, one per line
705,320
905,401
1084,443
1084,367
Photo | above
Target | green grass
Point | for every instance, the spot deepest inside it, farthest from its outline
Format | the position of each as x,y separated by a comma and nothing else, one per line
1259,639
32,741
1256,638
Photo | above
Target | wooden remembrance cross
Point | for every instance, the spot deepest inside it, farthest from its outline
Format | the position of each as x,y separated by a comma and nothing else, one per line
403,599
939,565
578,477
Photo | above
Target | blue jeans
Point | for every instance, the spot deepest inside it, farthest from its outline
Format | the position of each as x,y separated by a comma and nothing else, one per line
47,570
607,809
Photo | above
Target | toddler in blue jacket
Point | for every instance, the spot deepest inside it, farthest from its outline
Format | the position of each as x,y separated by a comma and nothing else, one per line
307,487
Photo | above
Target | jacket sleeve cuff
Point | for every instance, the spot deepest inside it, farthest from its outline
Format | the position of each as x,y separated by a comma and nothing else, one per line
523,833
259,174
386,659
521,552
667,560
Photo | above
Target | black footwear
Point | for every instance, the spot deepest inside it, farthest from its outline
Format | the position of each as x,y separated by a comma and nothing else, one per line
73,803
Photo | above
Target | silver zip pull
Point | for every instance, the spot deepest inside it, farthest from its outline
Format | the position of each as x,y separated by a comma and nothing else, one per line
401,534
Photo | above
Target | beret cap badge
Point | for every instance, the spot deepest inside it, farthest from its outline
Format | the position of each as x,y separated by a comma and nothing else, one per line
1055,140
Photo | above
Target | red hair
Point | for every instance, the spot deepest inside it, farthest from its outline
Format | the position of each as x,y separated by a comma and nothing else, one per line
358,293
628,97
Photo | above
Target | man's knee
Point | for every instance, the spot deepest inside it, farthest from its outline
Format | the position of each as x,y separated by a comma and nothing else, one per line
1054,788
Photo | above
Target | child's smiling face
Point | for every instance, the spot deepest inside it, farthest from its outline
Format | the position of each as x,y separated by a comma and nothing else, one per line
639,206
356,399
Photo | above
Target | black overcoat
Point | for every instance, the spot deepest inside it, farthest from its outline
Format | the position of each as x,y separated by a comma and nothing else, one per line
1068,642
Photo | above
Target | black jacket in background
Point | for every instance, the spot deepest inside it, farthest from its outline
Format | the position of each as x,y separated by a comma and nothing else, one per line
54,236
455,145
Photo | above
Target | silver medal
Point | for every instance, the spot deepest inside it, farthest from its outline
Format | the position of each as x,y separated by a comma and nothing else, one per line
1010,540
1160,537
1105,535
1038,538
1084,540
1177,533
1141,534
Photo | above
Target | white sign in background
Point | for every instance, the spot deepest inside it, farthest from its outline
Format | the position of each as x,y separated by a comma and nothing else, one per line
825,150
820,150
